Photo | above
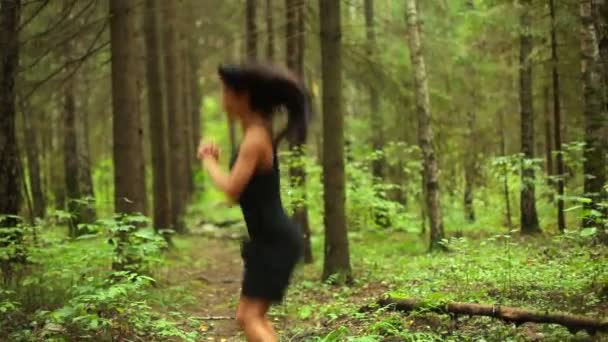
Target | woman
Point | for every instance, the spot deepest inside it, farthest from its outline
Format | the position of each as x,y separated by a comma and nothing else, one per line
252,95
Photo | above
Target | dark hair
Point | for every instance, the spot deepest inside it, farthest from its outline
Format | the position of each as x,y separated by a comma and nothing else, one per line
271,89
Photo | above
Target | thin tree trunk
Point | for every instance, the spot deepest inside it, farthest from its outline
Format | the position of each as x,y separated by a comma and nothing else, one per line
557,127
548,136
336,257
505,170
33,163
175,124
128,149
529,217
10,177
297,170
594,113
187,112
469,170
56,162
87,191
423,108
251,30
270,31
158,119
70,155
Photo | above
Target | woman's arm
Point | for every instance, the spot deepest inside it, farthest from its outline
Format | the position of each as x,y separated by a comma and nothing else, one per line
234,182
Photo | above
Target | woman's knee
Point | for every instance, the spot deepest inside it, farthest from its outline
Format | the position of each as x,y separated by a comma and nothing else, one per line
246,317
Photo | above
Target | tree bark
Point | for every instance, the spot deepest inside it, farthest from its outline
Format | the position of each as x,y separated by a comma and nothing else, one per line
594,113
505,170
251,30
33,163
158,119
128,149
548,136
425,134
70,157
529,217
557,127
336,257
178,139
297,170
10,177
270,31
518,316
470,165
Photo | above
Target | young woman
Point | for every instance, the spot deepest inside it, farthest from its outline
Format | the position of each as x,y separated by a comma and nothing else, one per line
252,95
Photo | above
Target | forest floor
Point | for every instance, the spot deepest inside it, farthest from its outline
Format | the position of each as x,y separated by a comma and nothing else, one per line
202,281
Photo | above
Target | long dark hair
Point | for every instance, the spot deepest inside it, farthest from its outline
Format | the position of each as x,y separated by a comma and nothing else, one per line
272,89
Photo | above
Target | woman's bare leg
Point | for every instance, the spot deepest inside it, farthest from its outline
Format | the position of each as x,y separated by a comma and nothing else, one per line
251,316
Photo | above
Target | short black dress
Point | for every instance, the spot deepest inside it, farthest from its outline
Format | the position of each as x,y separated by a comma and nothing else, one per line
275,243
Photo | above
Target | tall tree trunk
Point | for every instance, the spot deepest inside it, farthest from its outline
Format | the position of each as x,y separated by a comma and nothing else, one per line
425,133
297,170
128,150
158,119
377,130
83,148
33,164
10,177
505,170
557,127
529,217
548,136
470,165
177,139
70,155
337,257
270,31
187,112
594,113
56,159
251,30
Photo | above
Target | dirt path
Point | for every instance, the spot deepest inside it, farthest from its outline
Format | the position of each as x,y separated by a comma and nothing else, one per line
212,267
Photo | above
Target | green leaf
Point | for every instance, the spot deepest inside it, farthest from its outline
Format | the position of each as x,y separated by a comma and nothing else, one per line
588,232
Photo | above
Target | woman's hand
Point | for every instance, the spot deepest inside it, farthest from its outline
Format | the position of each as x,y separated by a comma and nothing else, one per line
208,150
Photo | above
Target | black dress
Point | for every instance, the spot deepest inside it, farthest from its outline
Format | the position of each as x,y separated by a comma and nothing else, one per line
275,243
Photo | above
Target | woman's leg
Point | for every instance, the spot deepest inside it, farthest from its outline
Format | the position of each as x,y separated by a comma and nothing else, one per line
251,315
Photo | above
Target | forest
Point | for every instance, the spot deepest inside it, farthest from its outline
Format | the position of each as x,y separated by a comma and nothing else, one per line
453,186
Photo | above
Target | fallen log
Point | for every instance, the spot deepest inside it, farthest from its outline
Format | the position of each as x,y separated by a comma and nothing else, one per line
518,316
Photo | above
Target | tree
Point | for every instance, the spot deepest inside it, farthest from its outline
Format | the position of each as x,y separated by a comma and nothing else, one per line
337,257
129,179
251,30
178,138
294,10
425,132
594,113
529,218
557,126
10,175
270,31
158,119
32,152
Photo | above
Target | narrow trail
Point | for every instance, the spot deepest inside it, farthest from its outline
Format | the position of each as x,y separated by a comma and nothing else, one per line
212,269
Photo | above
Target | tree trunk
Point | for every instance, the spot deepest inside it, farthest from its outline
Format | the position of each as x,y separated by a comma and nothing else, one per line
187,112
470,168
70,155
270,31
505,170
33,163
87,191
10,177
175,123
574,323
251,30
297,170
548,136
423,108
529,218
557,127
158,119
56,159
128,149
594,114
337,257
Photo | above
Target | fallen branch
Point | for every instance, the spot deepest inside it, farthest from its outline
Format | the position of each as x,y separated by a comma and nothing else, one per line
213,318
518,316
